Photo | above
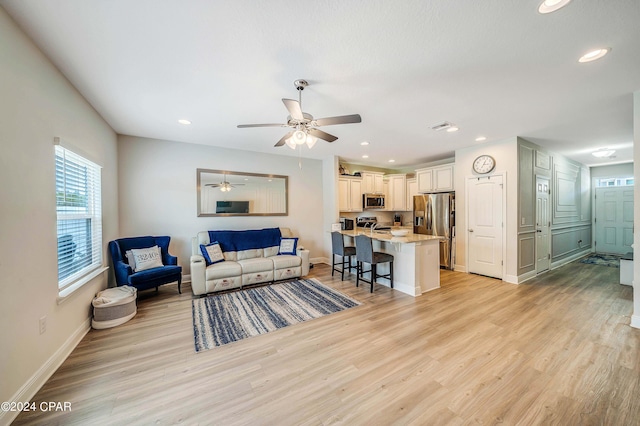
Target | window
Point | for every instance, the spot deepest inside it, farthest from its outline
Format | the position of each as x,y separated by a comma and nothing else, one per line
614,182
79,216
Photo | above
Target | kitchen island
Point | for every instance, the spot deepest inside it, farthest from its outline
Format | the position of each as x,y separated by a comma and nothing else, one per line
416,259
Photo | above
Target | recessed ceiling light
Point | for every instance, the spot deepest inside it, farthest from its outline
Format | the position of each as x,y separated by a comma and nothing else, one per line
452,129
481,138
183,121
548,6
392,161
593,55
365,156
603,152
365,143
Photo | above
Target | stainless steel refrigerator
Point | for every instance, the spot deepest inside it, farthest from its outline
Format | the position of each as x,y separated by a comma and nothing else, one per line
434,214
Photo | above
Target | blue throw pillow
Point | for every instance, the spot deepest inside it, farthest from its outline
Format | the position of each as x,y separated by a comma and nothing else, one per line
212,253
288,245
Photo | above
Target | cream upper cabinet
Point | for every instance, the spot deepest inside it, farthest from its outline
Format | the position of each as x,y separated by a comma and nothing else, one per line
372,183
385,191
412,189
397,194
350,194
435,179
425,180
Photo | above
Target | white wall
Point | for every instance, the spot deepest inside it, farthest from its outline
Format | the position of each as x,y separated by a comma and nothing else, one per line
506,155
157,192
37,103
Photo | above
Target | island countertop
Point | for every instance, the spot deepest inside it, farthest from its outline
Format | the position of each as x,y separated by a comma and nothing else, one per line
386,236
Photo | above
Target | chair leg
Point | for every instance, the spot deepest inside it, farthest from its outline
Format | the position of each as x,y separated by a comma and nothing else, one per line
333,263
179,284
391,272
358,270
342,272
374,274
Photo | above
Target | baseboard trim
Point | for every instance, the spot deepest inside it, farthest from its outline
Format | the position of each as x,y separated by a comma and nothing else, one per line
635,321
569,259
460,268
324,260
40,377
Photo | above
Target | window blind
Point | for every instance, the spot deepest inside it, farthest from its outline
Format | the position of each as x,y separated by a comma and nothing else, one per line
79,216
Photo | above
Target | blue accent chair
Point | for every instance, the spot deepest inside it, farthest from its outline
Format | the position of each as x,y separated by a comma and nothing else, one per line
149,278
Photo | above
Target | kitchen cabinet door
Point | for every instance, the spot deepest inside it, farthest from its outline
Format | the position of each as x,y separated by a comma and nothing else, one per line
355,193
425,180
397,197
350,195
412,189
443,178
372,183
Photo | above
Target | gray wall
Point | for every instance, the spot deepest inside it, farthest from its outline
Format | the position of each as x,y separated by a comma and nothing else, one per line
570,205
612,171
157,192
37,103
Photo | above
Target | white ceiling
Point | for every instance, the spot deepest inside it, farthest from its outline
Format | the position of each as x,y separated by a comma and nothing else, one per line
494,68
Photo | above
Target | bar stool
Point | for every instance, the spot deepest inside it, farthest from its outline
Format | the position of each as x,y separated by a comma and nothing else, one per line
338,248
365,254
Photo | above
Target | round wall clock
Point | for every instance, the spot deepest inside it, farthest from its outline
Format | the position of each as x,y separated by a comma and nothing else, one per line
484,164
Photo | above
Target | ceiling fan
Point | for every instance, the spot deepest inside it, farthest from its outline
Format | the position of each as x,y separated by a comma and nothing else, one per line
303,125
224,186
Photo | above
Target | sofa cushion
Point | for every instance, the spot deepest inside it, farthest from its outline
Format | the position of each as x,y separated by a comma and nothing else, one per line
286,261
249,254
288,245
150,275
223,270
271,251
257,264
212,253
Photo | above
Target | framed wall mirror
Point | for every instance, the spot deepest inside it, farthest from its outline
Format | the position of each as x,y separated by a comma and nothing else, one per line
229,193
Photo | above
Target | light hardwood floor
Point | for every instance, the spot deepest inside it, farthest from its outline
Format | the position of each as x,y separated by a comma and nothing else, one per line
557,349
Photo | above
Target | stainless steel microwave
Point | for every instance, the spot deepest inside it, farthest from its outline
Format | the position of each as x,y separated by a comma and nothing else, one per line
373,201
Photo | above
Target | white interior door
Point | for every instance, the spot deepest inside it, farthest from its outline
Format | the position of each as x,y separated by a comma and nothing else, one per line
614,219
484,204
543,253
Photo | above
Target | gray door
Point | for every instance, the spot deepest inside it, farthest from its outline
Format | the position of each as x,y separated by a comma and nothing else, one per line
543,258
614,219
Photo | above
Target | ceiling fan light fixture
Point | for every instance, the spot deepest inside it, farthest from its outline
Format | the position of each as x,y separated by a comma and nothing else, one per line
299,137
290,143
311,141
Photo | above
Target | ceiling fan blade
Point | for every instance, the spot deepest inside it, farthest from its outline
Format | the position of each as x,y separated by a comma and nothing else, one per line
294,109
240,126
214,185
284,138
322,135
342,119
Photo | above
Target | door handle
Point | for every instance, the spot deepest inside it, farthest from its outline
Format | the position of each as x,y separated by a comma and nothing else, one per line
470,230
538,230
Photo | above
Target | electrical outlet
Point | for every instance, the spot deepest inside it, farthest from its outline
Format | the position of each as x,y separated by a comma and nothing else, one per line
43,324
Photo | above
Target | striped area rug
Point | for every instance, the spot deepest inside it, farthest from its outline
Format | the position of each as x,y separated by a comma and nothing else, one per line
229,317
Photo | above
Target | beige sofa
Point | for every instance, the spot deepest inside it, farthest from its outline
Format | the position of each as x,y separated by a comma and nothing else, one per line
258,264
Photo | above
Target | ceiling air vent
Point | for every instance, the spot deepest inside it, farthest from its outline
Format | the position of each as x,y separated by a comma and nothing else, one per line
441,126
